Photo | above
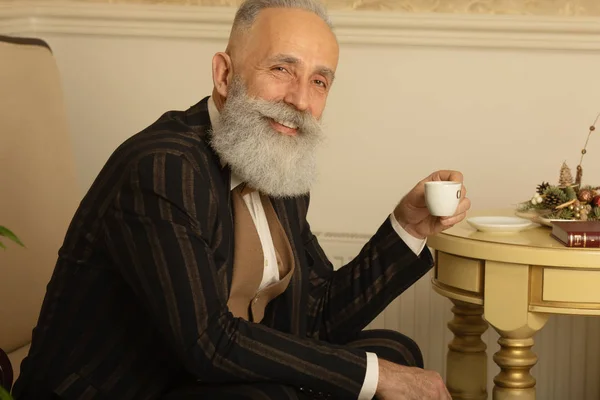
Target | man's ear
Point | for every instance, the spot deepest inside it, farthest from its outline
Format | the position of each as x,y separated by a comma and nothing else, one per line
222,70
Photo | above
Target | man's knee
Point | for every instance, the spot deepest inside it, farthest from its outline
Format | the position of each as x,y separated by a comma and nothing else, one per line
407,342
252,391
390,345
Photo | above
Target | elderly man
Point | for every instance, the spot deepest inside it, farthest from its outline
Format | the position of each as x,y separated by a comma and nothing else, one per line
190,271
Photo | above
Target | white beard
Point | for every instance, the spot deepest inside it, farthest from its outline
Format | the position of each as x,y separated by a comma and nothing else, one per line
274,164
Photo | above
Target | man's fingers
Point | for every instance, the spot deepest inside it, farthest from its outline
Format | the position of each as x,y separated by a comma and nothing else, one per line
461,213
446,175
443,392
463,206
455,176
447,393
453,220
442,389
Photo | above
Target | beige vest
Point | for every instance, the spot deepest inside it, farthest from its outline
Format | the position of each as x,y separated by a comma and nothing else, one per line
245,301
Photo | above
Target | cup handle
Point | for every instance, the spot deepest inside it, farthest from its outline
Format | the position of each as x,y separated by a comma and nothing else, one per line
458,194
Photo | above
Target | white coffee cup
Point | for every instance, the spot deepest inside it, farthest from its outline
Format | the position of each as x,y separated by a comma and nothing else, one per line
442,197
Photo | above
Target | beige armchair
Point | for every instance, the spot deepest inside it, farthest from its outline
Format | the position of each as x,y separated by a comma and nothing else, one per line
38,189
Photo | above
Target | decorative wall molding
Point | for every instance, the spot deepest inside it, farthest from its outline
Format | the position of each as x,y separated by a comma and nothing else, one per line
512,7
352,27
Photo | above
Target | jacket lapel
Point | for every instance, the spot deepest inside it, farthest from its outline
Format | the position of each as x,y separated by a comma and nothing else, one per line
294,299
198,118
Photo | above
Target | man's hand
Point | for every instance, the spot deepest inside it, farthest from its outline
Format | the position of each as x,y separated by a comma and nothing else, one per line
412,213
397,382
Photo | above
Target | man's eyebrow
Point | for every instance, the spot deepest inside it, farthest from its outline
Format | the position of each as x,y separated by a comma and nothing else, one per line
285,58
326,72
289,59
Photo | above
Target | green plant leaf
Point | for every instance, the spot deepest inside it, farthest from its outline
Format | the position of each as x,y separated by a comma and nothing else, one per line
4,395
8,234
571,194
2,246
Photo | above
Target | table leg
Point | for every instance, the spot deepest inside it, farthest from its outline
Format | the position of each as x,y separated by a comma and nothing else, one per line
515,359
466,363
507,310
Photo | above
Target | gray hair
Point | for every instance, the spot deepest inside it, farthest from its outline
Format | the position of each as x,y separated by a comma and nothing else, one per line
249,10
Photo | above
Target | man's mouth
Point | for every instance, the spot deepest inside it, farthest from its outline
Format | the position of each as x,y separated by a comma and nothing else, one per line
287,128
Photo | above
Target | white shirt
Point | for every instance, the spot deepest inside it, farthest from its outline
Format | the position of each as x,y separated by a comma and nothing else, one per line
271,272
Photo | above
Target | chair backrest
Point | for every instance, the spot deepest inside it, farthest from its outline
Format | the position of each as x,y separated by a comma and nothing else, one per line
38,188
6,371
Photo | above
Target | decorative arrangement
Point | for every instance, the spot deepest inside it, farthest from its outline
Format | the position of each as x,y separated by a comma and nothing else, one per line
569,199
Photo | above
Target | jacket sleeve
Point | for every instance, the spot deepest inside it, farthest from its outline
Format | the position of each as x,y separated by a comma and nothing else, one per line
161,230
343,302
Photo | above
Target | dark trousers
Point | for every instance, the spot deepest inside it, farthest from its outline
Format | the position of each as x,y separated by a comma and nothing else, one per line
388,345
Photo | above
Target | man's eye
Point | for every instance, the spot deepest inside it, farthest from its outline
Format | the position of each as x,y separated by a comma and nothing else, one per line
281,69
320,83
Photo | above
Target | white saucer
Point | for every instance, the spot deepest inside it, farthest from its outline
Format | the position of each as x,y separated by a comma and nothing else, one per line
500,224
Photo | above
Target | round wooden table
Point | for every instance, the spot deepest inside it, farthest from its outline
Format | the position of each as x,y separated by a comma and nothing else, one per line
516,280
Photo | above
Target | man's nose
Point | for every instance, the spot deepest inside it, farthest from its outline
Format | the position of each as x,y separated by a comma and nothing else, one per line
298,96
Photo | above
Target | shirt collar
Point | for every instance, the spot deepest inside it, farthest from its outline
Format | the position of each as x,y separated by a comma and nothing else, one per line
213,114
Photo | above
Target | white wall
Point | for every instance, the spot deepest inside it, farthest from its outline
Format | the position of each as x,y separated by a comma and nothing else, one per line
506,119
506,101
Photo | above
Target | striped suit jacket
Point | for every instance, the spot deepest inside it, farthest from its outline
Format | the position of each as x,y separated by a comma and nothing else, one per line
137,303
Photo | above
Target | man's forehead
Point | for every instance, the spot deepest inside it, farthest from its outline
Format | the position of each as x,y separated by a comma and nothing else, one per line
297,35
282,17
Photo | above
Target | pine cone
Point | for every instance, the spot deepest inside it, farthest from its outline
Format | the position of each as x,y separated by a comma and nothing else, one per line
541,188
585,195
552,200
